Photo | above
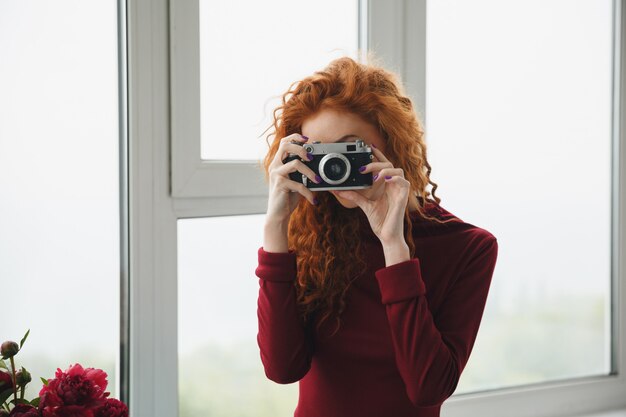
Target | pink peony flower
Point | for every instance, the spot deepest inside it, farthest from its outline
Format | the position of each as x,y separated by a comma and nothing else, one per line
67,411
75,392
24,410
112,408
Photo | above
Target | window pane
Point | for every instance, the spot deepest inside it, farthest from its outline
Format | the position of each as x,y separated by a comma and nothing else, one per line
250,52
59,217
217,322
519,134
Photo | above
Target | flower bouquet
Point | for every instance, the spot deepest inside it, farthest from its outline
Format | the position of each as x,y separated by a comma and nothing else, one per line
75,392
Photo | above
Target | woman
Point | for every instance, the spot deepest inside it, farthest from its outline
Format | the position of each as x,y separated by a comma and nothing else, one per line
370,298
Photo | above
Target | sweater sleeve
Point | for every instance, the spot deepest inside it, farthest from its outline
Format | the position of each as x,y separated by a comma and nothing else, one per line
431,352
285,344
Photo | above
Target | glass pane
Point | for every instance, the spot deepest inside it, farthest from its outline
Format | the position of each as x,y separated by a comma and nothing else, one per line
250,52
59,217
519,133
217,322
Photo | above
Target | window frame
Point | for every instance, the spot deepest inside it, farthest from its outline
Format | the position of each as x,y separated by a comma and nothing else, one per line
168,182
192,176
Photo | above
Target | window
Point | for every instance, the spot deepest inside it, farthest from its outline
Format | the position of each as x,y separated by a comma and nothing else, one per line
218,358
206,193
519,132
59,176
220,370
248,58
214,97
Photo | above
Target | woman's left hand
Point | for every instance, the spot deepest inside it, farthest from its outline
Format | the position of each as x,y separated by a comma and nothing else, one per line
385,214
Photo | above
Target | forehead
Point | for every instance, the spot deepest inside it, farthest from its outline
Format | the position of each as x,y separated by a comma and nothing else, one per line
328,124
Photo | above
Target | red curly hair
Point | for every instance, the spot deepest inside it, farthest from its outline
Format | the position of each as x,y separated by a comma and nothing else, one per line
325,236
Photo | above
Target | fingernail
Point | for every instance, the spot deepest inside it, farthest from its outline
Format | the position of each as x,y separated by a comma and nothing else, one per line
318,179
375,176
304,137
309,155
362,169
387,177
315,201
374,146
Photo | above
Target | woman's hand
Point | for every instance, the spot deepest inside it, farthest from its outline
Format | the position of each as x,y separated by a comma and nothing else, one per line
385,214
284,193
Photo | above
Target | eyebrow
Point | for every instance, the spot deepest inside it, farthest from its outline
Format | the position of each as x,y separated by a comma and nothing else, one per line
344,137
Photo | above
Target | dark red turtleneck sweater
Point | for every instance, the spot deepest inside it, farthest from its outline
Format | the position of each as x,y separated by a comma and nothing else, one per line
407,330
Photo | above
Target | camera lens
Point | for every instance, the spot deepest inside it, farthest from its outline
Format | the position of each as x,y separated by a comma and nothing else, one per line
334,168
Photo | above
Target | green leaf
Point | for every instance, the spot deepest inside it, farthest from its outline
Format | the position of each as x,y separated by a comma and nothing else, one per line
5,394
44,380
3,365
24,339
35,402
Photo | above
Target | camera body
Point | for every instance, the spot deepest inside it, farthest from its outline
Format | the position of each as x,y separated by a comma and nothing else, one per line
337,164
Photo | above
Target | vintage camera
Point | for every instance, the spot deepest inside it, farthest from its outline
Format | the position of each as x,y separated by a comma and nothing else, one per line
337,164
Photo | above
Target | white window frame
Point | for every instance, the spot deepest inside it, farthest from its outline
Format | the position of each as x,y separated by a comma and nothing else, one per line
168,181
191,175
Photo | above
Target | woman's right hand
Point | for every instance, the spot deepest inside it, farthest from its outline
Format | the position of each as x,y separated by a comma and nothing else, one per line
284,193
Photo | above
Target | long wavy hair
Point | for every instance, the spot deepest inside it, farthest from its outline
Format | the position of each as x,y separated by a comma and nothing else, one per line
325,236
